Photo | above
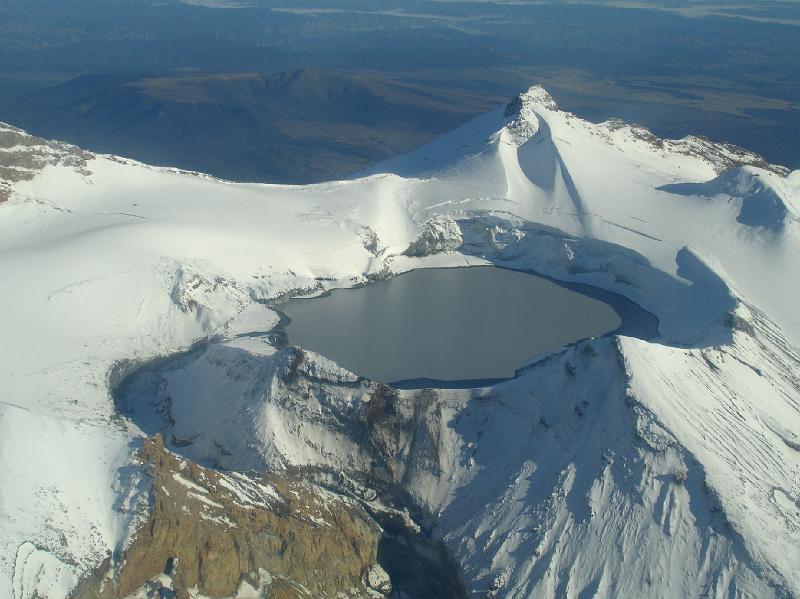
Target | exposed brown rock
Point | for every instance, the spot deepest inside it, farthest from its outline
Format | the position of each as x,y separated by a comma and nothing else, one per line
223,528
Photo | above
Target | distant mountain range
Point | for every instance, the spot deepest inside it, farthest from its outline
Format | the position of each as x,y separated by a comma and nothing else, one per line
75,70
246,126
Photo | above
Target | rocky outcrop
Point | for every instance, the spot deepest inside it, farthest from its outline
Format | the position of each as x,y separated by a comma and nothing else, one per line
217,533
439,234
524,123
22,156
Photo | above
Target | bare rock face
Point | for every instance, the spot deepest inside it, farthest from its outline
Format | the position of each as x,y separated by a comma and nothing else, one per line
217,534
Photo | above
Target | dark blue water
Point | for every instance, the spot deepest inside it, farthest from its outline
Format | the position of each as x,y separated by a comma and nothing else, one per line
455,327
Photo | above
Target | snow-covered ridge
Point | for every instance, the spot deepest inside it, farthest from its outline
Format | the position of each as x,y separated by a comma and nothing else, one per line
524,124
764,202
678,456
22,156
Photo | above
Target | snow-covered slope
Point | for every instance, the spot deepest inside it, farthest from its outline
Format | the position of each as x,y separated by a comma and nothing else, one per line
619,467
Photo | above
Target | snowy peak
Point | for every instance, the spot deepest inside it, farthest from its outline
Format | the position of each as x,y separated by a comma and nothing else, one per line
528,108
530,117
521,110
525,101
